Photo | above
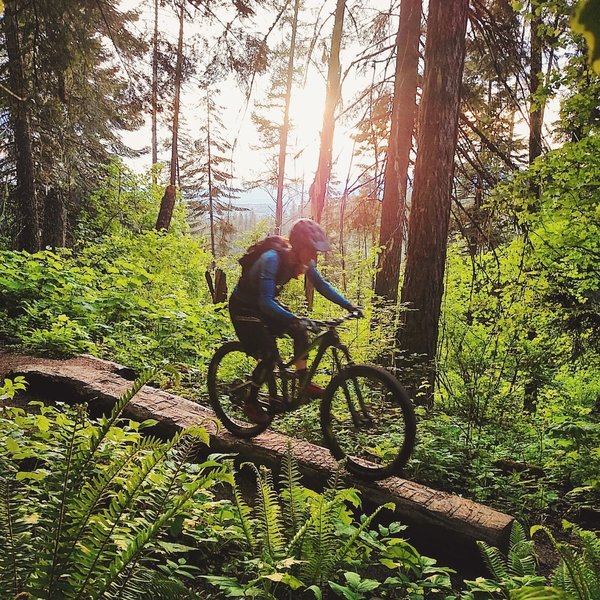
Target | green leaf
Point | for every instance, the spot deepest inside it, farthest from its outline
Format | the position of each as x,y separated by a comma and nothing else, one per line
42,423
316,590
286,578
12,445
35,475
537,593
587,22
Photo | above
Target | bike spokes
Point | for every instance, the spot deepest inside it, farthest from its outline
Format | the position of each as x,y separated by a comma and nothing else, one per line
368,419
231,385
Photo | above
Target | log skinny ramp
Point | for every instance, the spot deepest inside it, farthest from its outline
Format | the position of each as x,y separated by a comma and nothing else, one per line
447,525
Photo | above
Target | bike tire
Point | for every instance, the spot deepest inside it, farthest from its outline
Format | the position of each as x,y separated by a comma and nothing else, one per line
379,441
229,368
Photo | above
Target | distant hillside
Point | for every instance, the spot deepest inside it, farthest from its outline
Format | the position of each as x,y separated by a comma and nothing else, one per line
260,209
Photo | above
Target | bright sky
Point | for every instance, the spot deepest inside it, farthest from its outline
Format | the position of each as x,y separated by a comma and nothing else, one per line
306,108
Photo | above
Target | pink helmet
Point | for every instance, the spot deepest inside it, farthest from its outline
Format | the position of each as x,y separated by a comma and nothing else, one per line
308,233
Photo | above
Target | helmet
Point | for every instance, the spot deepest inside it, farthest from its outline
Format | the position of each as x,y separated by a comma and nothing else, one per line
308,233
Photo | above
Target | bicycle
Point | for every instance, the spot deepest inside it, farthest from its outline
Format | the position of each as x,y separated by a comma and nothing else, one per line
365,415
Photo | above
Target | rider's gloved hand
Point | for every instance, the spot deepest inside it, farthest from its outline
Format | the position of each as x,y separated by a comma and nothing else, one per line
357,311
308,324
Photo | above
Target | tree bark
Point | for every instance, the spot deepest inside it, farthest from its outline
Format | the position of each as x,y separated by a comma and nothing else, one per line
155,93
430,211
28,233
283,136
55,220
535,74
393,210
167,204
318,189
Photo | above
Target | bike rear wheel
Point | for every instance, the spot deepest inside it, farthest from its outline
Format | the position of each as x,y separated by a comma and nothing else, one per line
230,384
368,419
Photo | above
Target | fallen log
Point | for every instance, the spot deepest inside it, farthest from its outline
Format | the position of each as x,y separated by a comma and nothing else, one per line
444,525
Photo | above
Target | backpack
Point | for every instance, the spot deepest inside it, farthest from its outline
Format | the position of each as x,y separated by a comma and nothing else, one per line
271,242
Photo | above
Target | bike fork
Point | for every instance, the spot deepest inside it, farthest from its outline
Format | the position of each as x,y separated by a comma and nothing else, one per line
357,418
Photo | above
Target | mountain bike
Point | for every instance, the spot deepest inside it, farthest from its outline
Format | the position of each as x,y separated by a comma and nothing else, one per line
366,416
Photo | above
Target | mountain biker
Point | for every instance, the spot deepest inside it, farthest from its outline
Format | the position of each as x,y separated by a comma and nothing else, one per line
258,317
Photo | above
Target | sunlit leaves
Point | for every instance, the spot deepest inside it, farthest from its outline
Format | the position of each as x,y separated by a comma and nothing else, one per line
132,298
587,22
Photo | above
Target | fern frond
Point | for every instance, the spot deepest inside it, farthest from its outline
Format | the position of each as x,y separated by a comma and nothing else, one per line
183,452
576,573
245,514
342,553
61,517
334,483
269,514
591,559
321,542
11,532
94,491
517,534
112,573
104,526
292,493
494,560
105,424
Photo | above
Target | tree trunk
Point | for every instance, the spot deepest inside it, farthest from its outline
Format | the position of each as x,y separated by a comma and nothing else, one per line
211,213
155,93
430,211
168,201
28,233
283,136
318,188
536,111
393,210
55,220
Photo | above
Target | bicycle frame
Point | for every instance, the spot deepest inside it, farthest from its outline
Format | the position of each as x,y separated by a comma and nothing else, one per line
322,342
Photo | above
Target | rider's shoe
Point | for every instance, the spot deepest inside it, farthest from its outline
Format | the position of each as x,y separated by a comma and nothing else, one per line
312,390
255,412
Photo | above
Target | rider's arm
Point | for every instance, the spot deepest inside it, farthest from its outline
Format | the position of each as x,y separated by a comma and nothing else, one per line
267,287
326,289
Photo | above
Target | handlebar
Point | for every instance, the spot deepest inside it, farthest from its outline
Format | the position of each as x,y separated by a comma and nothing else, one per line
332,323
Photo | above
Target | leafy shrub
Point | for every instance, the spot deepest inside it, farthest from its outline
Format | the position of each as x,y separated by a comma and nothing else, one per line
83,504
298,543
140,299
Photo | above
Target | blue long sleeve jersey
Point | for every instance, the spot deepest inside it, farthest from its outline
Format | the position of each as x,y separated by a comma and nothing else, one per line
265,279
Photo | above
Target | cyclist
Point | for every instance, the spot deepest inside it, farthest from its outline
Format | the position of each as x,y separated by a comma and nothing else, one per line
258,317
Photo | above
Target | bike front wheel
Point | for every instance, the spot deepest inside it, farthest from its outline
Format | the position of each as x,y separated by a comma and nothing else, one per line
368,419
229,386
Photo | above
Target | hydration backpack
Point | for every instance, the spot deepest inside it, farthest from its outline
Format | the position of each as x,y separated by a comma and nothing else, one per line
272,242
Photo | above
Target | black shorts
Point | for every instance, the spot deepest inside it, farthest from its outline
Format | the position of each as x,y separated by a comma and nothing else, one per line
257,332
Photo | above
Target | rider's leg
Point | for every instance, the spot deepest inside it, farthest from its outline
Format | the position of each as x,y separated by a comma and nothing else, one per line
256,340
299,334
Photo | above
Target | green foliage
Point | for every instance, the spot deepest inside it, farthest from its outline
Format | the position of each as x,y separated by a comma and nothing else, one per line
83,504
11,386
124,202
578,573
586,22
135,298
514,576
519,364
298,543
